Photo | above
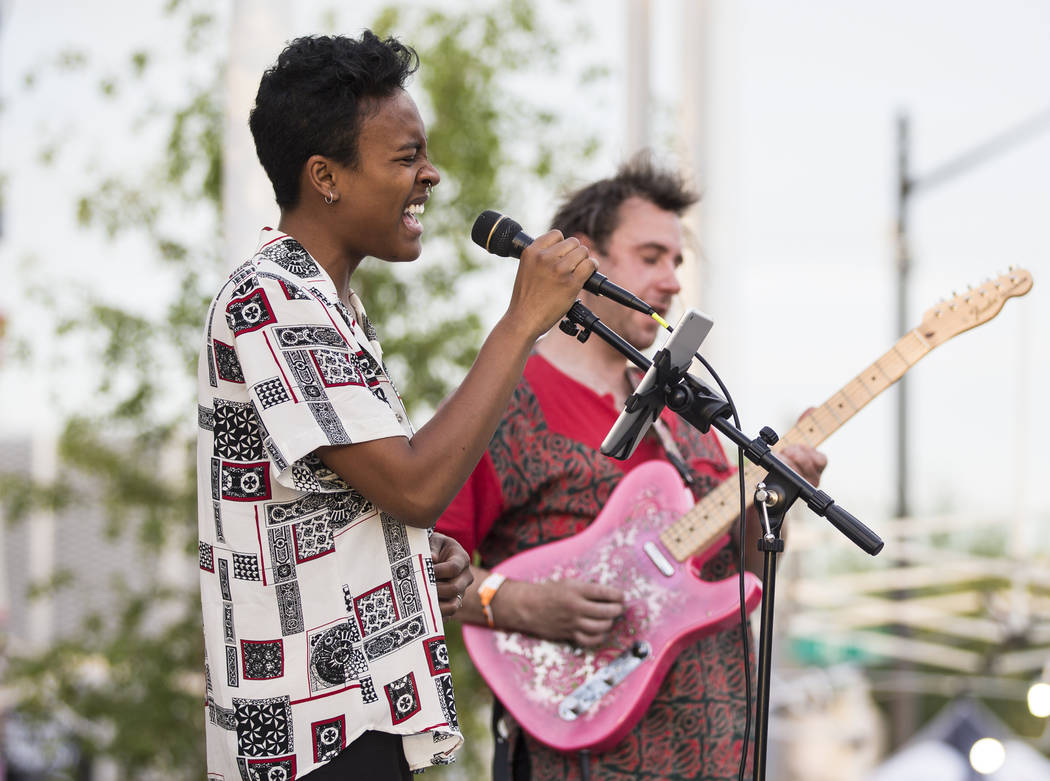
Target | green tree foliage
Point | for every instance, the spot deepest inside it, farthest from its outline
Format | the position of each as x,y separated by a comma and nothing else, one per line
128,685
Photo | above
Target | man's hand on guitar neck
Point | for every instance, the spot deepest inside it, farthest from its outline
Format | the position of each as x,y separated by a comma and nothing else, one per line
576,611
808,462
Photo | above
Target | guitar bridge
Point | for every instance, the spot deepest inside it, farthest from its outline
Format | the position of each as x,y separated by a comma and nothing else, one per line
601,682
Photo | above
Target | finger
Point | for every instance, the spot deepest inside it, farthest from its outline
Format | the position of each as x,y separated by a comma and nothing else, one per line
599,592
566,256
447,570
588,640
438,546
449,607
447,589
605,611
452,597
568,248
462,580
803,458
593,626
586,267
548,239
816,462
450,590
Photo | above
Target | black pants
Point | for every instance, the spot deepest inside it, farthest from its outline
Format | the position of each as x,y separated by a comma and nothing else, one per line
374,755
507,767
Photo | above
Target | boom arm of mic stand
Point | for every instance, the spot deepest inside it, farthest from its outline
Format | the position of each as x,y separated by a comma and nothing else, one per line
758,452
701,407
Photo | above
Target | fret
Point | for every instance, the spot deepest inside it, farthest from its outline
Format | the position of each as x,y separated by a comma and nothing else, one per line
893,365
842,405
921,343
826,419
913,345
809,430
856,393
872,382
827,413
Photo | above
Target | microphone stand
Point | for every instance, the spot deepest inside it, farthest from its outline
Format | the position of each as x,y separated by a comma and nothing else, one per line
702,408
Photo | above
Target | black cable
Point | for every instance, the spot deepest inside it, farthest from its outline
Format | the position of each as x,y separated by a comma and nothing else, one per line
585,765
741,541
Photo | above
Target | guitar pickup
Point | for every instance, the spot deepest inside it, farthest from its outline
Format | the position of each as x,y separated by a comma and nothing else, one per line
602,681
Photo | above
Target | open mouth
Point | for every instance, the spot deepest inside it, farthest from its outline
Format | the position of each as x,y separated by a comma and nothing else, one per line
411,217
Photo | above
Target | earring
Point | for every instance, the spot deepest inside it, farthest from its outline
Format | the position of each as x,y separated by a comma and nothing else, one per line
330,198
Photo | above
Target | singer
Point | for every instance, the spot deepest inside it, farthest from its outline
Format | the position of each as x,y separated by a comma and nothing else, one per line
543,479
322,589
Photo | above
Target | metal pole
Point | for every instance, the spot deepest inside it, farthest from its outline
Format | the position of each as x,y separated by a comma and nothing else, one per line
638,66
903,263
905,704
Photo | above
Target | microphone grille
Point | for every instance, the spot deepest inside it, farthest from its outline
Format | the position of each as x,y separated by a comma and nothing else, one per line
494,232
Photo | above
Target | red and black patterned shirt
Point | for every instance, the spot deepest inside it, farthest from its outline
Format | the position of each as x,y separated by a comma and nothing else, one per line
543,479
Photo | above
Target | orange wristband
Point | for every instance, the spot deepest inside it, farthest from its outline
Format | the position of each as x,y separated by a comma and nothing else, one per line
487,592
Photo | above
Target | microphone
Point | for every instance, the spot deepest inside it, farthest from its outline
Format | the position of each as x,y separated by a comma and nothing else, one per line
502,236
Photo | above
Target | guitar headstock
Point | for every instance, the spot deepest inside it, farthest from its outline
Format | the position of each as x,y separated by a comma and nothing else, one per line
975,306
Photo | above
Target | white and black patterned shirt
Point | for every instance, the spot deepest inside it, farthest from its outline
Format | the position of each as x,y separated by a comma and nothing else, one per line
321,617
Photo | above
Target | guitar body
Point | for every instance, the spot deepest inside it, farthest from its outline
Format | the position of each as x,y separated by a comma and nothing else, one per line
532,677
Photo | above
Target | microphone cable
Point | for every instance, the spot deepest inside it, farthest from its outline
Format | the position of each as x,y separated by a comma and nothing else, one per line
745,635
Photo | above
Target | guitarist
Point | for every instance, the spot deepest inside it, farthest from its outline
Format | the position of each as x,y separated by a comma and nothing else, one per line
543,479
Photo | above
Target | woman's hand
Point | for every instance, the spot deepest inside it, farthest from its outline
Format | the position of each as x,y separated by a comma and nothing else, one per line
452,571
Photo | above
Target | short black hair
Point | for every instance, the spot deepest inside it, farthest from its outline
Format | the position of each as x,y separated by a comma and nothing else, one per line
312,100
594,210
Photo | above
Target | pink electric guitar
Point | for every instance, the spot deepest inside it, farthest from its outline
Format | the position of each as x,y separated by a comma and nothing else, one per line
571,699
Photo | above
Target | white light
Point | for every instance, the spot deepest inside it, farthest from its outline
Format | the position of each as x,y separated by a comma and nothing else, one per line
987,755
1039,700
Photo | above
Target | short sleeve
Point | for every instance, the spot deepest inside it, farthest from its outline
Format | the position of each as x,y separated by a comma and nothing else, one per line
308,375
476,507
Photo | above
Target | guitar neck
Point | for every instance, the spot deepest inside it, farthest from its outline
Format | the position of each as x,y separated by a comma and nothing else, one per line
716,513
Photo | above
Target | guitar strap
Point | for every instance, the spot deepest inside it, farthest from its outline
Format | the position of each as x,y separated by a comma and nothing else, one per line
510,755
674,455
663,433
